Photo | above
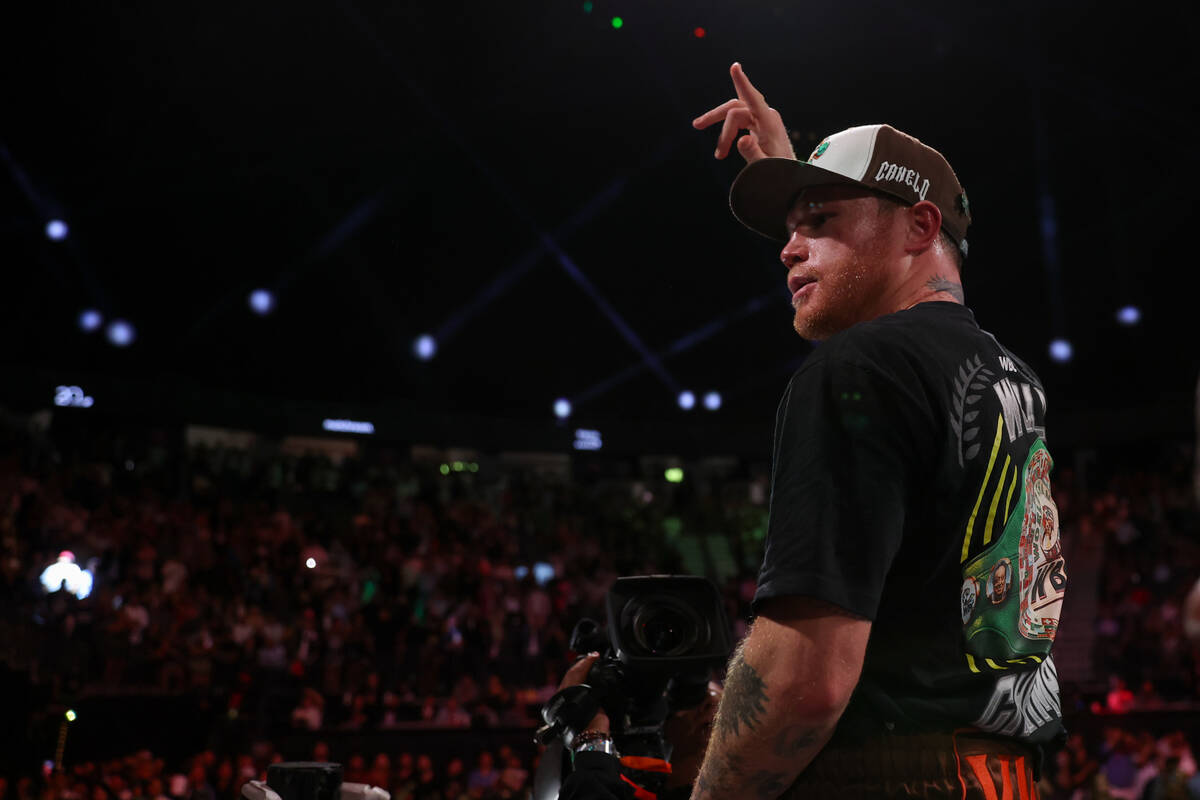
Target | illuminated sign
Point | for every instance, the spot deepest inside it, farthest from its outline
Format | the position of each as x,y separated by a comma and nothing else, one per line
348,426
587,440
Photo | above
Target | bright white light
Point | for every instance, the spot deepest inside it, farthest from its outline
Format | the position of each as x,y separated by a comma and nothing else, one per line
425,347
687,400
262,301
56,230
348,426
587,440
120,333
712,401
66,574
1129,315
90,320
1060,350
562,408
71,396
311,563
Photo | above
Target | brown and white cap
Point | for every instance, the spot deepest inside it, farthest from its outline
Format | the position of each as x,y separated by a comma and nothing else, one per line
878,157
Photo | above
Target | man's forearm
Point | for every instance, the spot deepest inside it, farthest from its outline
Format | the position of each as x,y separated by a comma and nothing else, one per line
764,735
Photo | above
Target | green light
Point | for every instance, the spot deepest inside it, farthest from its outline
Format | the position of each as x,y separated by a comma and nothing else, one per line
459,466
70,715
618,22
473,467
587,7
674,475
444,469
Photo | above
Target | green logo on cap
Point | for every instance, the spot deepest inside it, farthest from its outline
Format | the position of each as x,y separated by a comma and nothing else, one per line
820,151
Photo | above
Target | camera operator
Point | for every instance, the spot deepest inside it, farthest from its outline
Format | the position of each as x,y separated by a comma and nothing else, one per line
596,765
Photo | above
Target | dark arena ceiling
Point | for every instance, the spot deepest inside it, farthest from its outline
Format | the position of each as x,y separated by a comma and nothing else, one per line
522,181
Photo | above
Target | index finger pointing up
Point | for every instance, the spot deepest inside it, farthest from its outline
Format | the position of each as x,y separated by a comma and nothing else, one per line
746,92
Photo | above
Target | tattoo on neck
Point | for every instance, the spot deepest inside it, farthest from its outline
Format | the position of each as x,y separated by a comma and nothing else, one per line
745,698
940,283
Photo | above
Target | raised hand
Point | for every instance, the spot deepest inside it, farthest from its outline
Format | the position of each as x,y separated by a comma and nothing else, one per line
748,111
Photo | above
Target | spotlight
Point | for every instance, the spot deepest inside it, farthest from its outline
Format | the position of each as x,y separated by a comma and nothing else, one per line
56,230
1129,316
425,347
617,22
262,301
120,333
1060,350
90,320
674,475
712,401
687,400
71,715
444,469
562,408
311,563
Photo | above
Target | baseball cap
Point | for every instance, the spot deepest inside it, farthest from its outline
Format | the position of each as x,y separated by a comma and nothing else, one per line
877,157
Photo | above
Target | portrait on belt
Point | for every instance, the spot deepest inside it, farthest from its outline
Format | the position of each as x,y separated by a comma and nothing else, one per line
999,581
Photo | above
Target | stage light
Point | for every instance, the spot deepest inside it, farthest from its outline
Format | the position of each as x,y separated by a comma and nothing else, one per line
472,467
73,397
311,563
712,401
699,33
70,715
56,230
120,333
262,301
444,469
587,7
1061,351
90,320
458,466
425,347
687,400
562,408
1129,316
674,475
617,22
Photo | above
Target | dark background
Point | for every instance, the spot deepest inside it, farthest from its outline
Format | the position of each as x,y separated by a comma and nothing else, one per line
380,165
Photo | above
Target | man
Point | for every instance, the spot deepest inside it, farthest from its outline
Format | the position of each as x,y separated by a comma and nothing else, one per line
909,461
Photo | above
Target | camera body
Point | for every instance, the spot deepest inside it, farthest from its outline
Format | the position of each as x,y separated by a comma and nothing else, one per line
664,634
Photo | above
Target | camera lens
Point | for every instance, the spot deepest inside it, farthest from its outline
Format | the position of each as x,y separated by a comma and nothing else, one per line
665,627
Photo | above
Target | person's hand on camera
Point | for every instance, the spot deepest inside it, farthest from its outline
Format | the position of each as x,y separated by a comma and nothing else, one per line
576,675
748,111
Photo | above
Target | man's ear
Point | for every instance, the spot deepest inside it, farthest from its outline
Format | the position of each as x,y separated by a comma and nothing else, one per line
924,225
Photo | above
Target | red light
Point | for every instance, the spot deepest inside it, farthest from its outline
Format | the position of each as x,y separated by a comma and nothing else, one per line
699,33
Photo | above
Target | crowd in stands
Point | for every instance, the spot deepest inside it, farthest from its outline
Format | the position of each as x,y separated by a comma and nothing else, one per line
307,593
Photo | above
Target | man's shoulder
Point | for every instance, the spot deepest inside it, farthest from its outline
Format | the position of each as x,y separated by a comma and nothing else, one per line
904,337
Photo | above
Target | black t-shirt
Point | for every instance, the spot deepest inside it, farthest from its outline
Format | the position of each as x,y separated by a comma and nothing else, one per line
910,485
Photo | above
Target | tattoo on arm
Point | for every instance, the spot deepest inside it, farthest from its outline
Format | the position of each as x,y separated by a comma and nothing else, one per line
795,739
768,785
745,698
940,283
718,776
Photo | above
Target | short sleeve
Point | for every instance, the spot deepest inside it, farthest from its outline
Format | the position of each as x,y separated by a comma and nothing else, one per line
842,468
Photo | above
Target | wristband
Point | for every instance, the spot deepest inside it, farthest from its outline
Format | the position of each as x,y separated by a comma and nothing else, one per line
593,742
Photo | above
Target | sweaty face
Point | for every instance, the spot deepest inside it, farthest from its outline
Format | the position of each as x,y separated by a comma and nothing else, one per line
841,242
